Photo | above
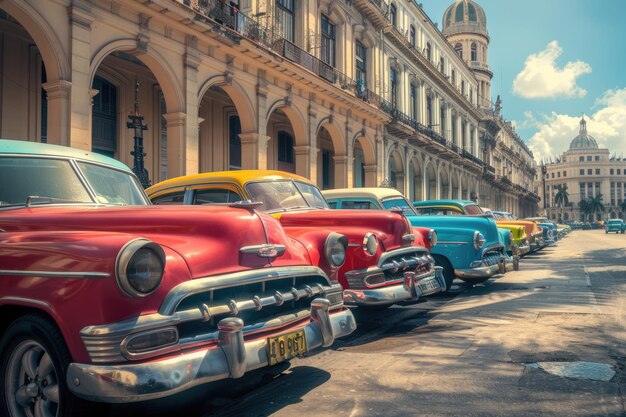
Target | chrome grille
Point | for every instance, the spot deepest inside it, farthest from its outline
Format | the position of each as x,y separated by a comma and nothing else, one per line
395,265
492,258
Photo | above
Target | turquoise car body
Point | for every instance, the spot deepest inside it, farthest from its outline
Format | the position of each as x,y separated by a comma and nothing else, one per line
463,206
615,225
455,234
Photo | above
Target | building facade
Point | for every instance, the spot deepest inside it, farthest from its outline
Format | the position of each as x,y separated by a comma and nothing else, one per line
588,171
348,94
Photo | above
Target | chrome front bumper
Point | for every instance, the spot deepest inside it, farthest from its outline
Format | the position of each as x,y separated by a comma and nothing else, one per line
483,270
411,288
231,358
522,250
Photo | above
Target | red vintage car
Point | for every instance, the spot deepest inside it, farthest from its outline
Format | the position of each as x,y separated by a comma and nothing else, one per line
387,260
105,297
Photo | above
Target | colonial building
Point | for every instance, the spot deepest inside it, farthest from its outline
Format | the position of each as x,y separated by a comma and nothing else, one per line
358,93
587,170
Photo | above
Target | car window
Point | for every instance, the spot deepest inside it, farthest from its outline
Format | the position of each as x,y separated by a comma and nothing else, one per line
215,195
21,177
276,194
112,186
312,195
399,203
170,199
357,205
332,204
424,211
473,209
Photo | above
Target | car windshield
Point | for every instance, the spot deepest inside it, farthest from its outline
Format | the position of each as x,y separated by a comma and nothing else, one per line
498,217
112,186
36,181
473,209
285,195
398,203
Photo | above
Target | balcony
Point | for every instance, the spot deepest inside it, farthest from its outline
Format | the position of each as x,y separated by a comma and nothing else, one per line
235,25
479,66
375,10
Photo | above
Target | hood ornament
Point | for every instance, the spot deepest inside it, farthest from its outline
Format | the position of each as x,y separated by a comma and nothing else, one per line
264,251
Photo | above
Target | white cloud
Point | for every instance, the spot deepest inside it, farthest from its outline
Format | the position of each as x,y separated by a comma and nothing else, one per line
607,126
542,78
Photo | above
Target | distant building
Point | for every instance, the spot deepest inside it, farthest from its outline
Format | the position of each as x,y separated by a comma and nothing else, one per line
588,171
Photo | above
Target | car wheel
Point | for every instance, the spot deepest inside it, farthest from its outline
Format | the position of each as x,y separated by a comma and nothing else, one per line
448,270
32,372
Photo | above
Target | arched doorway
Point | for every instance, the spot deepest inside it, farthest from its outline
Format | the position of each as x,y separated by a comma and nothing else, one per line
395,171
358,170
445,183
417,180
364,165
454,185
430,182
326,160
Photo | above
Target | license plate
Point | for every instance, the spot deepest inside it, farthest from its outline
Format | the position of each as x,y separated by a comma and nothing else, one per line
285,347
428,286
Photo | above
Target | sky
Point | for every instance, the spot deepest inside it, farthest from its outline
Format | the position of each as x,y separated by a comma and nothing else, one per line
554,60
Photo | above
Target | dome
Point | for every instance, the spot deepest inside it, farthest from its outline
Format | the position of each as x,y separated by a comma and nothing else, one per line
583,140
464,16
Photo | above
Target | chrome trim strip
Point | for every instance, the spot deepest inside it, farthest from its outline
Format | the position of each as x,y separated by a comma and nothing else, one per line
443,242
51,274
196,286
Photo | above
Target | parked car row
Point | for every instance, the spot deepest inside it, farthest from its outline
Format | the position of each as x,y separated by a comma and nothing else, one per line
112,294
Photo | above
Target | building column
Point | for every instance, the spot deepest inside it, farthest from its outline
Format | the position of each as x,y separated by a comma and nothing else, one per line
176,136
476,144
407,178
370,175
468,137
341,171
422,103
437,113
459,138
303,160
253,150
81,19
59,112
448,126
192,136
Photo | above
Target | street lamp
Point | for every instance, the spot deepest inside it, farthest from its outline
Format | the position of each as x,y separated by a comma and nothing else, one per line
544,171
136,123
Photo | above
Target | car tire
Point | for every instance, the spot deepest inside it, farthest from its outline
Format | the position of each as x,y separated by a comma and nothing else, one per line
448,270
34,340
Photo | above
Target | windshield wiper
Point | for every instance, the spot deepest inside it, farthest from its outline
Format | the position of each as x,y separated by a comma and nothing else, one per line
29,200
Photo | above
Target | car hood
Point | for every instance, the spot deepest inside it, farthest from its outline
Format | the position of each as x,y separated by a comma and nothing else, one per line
459,228
209,238
529,226
389,227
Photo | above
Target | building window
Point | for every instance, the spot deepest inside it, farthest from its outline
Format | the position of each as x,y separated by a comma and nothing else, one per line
590,172
553,175
429,111
412,35
234,149
458,48
619,172
597,188
565,173
428,52
392,14
597,158
285,147
453,77
394,87
581,159
285,17
104,125
589,158
463,87
442,120
558,174
582,172
597,171
413,101
328,41
611,171
442,65
361,63
474,55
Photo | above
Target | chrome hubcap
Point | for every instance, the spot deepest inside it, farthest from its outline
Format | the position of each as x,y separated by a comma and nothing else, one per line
31,383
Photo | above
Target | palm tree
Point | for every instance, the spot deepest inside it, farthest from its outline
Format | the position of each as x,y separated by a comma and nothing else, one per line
622,206
583,206
561,198
596,204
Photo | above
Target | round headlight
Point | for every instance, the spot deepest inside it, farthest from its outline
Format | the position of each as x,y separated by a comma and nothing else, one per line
140,265
432,237
335,249
370,244
479,240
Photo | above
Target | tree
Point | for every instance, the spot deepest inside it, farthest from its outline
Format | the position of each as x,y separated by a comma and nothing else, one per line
596,204
561,198
583,206
622,207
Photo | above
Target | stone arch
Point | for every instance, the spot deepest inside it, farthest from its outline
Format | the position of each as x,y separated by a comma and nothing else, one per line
416,178
363,171
241,100
295,117
158,65
52,52
335,134
444,182
285,122
430,181
396,170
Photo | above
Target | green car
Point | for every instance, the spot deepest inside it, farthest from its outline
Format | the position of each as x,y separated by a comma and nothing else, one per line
615,225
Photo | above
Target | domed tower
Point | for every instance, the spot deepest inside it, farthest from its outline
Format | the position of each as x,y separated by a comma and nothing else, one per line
583,141
465,27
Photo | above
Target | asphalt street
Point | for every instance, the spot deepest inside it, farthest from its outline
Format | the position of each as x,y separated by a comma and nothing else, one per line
488,350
